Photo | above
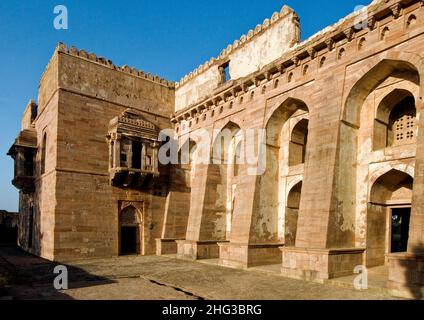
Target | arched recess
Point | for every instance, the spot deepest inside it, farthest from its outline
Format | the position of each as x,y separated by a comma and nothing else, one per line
395,122
187,161
130,231
292,214
356,147
298,143
271,204
388,216
227,155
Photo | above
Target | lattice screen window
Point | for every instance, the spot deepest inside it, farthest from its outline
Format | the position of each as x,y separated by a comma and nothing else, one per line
404,128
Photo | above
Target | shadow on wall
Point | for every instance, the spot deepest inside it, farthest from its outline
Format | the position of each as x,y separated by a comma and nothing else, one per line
8,235
32,278
414,272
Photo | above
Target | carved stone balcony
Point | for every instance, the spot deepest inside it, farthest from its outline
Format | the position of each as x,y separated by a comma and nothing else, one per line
24,151
133,151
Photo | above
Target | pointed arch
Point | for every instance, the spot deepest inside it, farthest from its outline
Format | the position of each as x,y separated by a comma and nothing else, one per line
298,143
279,116
369,81
130,216
222,143
267,226
386,188
353,146
388,215
130,231
395,120
292,214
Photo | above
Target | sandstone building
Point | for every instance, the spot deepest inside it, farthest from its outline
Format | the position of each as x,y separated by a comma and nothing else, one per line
343,180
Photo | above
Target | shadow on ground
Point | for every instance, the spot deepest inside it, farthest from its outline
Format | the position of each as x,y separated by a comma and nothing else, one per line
24,276
413,274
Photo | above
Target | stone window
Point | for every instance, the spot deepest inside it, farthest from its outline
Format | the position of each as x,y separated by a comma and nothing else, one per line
133,149
412,19
322,62
384,33
361,43
341,53
403,124
395,123
224,72
298,141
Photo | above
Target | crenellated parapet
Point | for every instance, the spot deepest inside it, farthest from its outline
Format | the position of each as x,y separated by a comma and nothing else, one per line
337,44
244,40
73,51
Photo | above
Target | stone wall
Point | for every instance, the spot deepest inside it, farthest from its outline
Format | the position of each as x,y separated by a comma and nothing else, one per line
339,76
252,52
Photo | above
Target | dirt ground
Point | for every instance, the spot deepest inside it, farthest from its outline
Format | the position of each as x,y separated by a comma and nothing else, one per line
23,276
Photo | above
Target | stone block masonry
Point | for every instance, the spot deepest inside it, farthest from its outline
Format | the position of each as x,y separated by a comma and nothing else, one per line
342,179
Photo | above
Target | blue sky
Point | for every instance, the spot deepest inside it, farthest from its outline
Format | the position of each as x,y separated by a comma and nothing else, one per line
167,38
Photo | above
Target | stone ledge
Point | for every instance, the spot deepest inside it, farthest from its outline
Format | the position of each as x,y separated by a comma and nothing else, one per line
198,249
320,264
249,255
333,251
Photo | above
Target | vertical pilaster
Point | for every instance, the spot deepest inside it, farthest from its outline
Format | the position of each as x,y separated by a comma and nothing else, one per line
117,151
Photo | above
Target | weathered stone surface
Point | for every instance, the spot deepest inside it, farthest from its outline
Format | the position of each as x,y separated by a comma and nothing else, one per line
341,117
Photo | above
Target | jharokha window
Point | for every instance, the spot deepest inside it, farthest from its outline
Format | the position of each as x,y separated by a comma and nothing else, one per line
402,125
133,150
395,123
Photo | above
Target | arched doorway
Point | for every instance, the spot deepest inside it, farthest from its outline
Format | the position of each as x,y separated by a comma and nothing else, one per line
292,214
395,122
388,216
130,232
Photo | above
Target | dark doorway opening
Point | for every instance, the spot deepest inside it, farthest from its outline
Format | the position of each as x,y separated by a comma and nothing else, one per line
400,229
136,155
128,240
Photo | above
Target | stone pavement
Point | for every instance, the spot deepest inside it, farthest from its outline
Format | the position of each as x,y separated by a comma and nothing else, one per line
154,278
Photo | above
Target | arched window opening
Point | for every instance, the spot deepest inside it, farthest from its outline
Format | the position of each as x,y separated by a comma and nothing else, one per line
341,53
412,19
388,216
292,213
402,125
395,122
322,62
361,43
298,142
384,33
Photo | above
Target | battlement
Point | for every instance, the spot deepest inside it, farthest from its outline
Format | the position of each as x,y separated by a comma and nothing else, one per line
73,51
266,43
293,65
243,41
